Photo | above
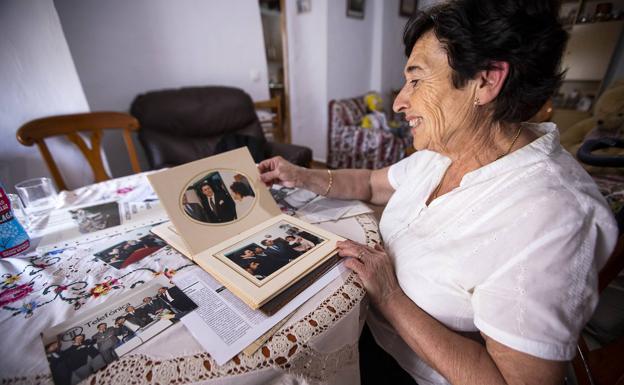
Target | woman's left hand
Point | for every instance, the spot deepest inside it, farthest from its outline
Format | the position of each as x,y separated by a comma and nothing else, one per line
375,269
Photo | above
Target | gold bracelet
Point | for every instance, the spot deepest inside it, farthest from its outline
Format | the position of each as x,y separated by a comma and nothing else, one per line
329,185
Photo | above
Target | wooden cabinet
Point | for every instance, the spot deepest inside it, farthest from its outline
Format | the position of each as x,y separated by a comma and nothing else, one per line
594,36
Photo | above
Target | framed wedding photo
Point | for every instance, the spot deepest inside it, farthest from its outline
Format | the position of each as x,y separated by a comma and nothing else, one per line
355,9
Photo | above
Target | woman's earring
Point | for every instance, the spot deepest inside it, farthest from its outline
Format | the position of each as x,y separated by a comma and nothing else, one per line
477,101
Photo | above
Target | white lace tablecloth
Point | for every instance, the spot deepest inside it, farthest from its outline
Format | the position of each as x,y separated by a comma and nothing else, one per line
318,345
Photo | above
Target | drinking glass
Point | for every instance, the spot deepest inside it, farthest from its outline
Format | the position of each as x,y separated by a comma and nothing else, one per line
38,195
18,210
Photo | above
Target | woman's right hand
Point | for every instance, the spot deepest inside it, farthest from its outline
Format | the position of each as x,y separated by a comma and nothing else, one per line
280,171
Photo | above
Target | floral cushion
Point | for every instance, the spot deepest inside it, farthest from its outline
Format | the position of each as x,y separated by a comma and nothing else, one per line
352,146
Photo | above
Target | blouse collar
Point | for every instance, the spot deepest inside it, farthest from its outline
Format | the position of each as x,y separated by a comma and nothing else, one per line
545,146
542,148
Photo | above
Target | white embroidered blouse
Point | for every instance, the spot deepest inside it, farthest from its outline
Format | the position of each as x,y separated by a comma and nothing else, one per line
512,252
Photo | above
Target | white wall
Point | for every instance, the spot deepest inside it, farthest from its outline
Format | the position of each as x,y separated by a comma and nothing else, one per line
307,67
393,54
349,51
377,48
37,78
123,48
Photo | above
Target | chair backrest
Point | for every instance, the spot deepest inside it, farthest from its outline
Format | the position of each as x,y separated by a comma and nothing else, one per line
93,123
186,124
276,121
602,366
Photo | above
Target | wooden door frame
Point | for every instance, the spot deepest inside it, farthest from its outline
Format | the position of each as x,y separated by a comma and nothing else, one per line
287,123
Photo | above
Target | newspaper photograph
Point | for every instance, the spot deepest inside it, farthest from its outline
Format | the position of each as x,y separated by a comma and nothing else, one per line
128,248
83,345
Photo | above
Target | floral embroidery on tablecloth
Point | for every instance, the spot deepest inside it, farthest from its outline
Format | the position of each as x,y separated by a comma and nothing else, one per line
124,190
22,292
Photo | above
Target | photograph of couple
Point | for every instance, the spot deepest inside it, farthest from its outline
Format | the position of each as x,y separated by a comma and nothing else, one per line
218,197
267,251
132,250
77,348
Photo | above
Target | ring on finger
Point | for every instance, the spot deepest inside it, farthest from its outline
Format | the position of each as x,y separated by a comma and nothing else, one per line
359,256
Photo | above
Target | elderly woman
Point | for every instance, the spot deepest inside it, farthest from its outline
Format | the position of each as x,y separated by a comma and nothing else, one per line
492,233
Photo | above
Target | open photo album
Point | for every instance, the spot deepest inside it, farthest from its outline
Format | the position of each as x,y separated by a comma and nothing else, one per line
225,220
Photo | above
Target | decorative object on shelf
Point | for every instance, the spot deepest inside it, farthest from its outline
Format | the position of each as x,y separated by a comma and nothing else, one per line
585,103
407,8
572,99
603,12
355,8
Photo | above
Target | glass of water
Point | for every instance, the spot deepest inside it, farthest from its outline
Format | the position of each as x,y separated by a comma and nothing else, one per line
18,210
38,195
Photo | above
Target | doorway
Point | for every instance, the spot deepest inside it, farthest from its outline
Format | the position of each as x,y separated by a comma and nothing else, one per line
273,16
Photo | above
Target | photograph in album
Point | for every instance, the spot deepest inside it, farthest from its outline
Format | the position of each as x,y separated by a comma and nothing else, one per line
263,255
219,196
212,199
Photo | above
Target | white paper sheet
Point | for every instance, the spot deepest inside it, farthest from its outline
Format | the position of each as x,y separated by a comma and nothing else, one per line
87,223
225,325
299,197
327,209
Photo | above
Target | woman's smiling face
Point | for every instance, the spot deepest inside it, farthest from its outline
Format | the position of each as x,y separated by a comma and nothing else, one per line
434,108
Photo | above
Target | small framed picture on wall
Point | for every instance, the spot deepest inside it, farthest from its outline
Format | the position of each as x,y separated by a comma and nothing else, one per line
407,8
303,6
355,9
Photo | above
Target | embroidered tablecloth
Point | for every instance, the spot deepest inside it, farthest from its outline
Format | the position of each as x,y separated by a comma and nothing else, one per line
317,345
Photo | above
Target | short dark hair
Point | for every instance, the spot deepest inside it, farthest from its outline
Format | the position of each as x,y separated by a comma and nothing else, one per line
241,189
101,323
476,33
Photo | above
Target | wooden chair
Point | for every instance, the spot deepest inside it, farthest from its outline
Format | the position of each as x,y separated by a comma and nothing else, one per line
36,131
603,366
275,106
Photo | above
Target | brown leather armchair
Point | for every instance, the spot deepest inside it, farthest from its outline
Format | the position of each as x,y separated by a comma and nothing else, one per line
186,124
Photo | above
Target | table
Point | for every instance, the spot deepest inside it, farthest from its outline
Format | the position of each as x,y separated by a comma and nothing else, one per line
317,345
